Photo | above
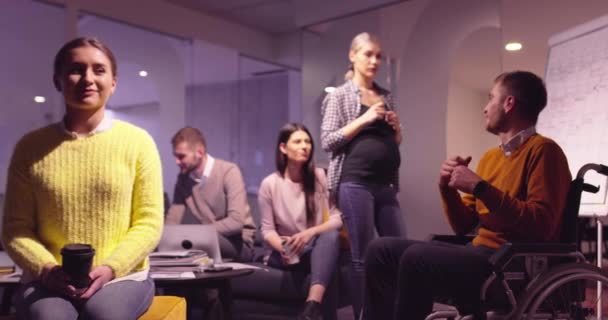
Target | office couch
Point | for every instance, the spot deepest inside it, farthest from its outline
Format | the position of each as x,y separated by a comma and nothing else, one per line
273,294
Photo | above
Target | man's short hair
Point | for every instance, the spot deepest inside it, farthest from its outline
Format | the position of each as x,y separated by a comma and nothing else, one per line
190,135
528,89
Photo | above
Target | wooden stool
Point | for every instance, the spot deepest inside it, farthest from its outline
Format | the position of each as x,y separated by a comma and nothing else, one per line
166,308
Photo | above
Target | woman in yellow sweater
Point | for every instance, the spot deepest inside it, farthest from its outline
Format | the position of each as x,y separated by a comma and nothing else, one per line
87,179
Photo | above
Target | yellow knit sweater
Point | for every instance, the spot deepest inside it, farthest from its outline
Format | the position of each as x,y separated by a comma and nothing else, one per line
104,190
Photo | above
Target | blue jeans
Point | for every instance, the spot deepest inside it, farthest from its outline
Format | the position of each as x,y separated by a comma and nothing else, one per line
319,257
121,300
367,209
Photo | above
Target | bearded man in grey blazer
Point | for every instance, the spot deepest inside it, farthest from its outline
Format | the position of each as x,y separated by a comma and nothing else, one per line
211,191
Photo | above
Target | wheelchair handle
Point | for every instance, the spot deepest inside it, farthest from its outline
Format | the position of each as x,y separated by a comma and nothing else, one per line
599,168
590,188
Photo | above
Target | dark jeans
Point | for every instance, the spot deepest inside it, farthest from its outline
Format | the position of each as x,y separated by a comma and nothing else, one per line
404,277
319,258
367,209
233,248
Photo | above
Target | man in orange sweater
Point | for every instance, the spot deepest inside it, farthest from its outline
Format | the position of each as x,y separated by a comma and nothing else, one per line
517,195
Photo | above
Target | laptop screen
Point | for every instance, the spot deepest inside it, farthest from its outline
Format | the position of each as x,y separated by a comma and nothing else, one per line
191,236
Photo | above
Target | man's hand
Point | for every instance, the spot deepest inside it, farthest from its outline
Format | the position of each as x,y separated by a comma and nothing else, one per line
463,179
299,240
99,276
448,166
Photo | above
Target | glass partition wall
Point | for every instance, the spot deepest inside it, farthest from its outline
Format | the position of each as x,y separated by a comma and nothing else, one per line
31,33
240,117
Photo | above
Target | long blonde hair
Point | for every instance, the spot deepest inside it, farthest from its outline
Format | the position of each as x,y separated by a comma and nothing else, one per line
355,45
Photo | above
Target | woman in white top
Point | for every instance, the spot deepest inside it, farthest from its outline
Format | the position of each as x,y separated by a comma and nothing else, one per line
293,201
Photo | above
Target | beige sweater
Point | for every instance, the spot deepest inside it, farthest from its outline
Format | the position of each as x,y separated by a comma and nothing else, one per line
221,200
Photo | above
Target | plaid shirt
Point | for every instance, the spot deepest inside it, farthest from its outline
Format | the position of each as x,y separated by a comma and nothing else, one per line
340,108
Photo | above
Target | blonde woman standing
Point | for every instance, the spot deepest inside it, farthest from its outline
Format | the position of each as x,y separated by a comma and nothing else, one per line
361,132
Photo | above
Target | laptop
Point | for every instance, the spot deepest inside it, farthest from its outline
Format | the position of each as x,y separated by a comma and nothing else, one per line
178,237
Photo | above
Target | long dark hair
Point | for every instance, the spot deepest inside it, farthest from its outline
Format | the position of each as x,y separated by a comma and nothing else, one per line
308,169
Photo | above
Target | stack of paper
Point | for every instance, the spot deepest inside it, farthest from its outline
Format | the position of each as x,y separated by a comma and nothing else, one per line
172,275
8,270
187,258
7,266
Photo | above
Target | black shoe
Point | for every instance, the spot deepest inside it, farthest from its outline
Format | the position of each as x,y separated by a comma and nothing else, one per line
312,311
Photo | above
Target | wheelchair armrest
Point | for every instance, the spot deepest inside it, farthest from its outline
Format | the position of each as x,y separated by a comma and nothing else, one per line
508,250
450,238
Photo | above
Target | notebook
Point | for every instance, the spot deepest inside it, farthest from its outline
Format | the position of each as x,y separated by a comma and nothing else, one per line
182,258
204,237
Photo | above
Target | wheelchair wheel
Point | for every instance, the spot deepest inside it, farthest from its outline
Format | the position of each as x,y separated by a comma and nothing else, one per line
570,293
538,284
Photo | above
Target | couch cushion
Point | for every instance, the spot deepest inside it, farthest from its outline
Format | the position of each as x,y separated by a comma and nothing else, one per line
252,199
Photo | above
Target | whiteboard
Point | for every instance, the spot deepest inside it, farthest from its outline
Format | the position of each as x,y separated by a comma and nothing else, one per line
576,116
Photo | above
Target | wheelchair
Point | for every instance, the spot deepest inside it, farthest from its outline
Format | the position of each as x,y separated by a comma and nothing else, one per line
533,281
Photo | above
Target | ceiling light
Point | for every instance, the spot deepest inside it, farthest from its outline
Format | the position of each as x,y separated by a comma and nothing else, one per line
39,99
143,73
329,89
513,46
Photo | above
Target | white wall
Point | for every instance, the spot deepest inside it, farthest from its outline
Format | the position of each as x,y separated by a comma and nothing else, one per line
465,123
423,88
474,65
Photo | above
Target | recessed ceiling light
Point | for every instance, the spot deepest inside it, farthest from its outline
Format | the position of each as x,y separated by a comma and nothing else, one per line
330,89
513,46
39,99
143,73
